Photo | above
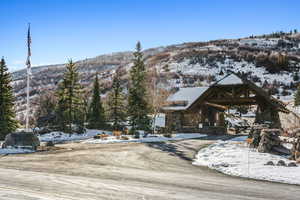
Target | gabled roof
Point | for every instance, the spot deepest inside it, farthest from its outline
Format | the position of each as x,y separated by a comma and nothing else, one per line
230,79
191,94
186,98
187,95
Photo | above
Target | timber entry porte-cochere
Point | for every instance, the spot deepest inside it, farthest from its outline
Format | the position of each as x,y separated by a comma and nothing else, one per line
201,109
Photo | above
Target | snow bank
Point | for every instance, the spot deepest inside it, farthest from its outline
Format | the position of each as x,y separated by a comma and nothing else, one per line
235,158
61,137
14,151
157,138
88,137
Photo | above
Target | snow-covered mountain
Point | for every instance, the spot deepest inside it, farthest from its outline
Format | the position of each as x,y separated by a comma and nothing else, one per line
271,61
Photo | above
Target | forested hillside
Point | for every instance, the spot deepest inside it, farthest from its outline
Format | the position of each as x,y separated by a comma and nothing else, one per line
271,61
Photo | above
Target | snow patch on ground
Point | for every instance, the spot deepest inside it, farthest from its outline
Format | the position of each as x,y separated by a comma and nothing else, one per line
62,137
235,158
14,151
151,138
88,137
262,43
188,68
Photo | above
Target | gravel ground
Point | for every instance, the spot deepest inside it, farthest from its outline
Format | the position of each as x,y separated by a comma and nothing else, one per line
126,171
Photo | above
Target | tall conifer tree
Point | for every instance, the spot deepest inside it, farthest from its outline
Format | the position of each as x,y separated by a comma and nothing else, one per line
138,107
96,117
116,104
7,112
70,108
297,96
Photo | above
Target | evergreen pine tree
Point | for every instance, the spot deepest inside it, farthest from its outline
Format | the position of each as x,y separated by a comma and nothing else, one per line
138,107
297,97
7,113
61,108
116,105
296,77
70,105
96,118
221,73
166,68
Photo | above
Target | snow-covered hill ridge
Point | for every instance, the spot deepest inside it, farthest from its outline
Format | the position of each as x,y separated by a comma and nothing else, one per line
271,61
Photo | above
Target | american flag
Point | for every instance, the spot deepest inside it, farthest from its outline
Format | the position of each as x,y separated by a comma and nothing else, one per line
28,63
28,45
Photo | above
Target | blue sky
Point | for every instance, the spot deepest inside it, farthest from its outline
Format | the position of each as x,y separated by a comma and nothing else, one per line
78,29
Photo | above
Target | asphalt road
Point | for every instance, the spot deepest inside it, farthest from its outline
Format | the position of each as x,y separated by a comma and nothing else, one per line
127,171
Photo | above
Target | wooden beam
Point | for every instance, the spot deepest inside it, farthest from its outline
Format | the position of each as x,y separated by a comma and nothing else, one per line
231,101
284,110
216,105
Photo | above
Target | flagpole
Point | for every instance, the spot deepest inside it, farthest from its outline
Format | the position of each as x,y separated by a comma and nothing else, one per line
27,99
27,104
28,63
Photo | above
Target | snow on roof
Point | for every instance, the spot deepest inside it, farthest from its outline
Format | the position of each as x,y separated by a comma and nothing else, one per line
232,79
189,95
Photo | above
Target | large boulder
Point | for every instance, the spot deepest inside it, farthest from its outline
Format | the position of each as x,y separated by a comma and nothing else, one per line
281,163
292,164
21,140
271,163
271,143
